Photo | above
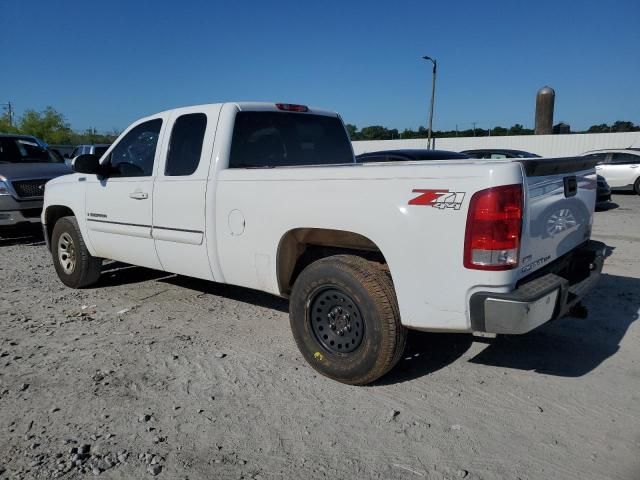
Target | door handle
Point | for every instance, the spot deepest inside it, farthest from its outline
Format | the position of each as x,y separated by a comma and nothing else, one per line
139,195
634,166
598,168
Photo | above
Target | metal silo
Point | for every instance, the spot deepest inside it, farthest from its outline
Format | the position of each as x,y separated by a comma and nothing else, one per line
545,100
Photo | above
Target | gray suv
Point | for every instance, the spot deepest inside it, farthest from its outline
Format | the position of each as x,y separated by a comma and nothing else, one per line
26,165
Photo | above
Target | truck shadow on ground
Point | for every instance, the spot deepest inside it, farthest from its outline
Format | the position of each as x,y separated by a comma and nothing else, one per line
568,347
114,274
426,353
29,236
233,292
572,347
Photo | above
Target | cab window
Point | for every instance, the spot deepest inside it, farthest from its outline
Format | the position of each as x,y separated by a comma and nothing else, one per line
133,156
185,145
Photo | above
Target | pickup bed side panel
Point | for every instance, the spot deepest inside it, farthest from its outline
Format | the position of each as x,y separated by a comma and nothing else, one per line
416,214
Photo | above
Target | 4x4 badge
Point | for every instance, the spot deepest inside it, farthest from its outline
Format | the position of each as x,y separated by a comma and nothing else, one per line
438,198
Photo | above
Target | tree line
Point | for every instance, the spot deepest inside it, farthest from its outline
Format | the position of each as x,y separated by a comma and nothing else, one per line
378,132
52,127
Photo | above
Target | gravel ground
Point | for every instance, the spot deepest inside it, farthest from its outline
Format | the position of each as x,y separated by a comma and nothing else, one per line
150,374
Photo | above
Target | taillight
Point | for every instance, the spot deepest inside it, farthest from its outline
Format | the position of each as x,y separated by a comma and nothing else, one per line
494,226
290,107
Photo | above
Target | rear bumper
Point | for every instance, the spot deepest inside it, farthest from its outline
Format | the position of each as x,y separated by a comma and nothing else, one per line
550,295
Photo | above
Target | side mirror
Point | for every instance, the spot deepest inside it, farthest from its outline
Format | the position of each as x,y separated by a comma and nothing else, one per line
87,163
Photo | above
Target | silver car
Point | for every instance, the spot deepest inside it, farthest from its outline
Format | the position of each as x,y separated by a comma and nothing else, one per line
97,149
620,167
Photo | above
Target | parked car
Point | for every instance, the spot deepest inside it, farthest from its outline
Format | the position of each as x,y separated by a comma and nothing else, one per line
26,165
621,167
269,197
97,150
499,153
408,155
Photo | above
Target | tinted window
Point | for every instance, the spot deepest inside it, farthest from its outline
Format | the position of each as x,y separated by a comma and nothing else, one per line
133,155
624,158
599,157
284,139
25,150
99,151
185,146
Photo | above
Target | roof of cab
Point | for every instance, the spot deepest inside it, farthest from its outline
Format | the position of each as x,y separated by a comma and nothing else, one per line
251,107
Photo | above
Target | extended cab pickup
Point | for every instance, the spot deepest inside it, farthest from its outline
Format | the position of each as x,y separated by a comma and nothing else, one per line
269,197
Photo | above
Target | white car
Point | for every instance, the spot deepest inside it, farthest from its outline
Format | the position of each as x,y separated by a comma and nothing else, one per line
269,197
620,167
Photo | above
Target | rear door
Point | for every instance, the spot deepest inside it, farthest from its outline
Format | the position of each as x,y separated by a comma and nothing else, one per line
179,213
119,206
622,170
560,197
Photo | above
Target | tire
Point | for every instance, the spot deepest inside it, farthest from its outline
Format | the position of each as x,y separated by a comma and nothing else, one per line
345,319
636,186
75,266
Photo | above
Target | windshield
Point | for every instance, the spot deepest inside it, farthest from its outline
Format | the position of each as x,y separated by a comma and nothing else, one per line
25,150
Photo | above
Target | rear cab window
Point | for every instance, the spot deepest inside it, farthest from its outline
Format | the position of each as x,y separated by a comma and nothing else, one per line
284,139
185,146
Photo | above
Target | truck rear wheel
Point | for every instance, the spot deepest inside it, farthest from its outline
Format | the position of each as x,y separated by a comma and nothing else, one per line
75,266
345,319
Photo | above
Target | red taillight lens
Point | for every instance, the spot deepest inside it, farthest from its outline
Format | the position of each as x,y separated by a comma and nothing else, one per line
494,226
290,107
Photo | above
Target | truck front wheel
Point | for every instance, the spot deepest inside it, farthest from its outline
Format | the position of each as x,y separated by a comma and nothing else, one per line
75,266
345,319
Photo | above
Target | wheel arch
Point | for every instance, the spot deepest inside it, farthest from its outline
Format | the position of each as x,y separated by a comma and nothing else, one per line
52,214
300,247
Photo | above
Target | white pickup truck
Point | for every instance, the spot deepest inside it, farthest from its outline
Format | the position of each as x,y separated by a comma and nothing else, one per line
269,197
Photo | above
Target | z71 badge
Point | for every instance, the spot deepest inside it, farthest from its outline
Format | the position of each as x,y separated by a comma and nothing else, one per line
438,199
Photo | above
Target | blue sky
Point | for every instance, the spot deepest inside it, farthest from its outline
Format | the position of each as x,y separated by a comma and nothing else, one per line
104,64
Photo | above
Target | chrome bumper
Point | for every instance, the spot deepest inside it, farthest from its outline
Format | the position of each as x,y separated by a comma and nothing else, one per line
546,297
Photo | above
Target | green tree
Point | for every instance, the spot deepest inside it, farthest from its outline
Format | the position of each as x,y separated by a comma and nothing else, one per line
352,130
621,126
48,125
5,126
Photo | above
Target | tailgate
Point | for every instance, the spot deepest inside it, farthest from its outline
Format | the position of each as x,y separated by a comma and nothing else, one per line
560,196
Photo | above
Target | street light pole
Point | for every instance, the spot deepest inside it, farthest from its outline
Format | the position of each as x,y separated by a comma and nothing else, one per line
433,96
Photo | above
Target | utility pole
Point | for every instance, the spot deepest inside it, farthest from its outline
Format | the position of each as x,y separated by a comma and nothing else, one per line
433,96
474,128
9,108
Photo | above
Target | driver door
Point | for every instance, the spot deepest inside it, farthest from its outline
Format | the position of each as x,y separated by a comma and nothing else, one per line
119,206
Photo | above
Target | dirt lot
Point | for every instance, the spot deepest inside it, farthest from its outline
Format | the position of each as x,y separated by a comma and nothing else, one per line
207,382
